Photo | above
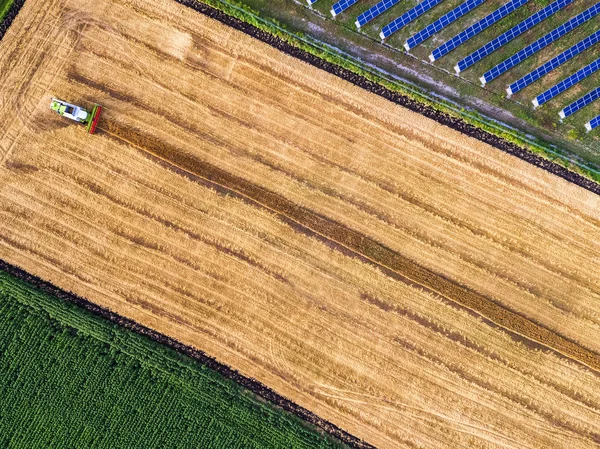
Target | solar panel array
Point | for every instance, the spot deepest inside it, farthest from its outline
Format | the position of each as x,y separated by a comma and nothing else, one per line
374,11
581,103
441,23
540,44
341,6
566,83
408,17
593,123
512,5
477,28
554,63
511,34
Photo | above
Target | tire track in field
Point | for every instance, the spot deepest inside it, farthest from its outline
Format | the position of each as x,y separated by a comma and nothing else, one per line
487,385
469,344
356,244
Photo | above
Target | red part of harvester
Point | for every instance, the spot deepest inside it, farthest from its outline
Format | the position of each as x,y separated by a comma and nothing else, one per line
96,111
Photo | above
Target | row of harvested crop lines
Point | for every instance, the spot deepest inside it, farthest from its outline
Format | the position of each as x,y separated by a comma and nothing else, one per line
497,39
76,380
352,240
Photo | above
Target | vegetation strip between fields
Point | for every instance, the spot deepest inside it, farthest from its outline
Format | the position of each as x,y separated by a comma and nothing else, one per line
368,248
250,384
401,99
69,376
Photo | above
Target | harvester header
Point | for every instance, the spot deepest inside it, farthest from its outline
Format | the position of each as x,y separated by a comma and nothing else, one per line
77,113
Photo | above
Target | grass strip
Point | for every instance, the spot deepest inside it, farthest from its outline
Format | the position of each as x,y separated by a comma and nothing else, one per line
8,12
508,136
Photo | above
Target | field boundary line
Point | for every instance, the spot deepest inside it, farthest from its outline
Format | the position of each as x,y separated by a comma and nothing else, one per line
325,57
255,386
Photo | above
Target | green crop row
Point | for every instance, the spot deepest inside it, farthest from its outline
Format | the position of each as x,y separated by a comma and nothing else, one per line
69,378
4,7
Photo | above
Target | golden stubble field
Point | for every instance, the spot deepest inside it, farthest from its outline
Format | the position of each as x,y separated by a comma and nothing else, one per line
404,281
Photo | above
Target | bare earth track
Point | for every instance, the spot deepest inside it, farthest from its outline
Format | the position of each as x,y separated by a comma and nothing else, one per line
408,283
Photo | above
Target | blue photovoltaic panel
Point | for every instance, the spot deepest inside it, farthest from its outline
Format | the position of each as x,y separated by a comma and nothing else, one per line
593,123
566,83
441,23
540,44
407,17
310,2
477,28
341,6
554,63
511,34
373,12
581,103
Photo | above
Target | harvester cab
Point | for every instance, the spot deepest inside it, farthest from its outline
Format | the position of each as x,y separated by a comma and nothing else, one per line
77,113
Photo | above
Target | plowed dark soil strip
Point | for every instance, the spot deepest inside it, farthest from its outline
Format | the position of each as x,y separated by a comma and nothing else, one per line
370,249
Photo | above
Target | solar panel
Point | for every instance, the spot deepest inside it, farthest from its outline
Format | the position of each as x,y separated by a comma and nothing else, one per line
580,104
310,2
511,34
341,6
566,83
441,23
477,28
374,11
540,44
554,63
593,124
408,17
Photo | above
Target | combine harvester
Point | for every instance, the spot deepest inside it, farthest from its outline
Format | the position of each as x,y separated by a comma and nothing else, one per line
78,113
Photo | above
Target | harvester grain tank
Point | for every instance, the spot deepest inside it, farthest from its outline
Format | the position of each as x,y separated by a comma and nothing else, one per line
77,113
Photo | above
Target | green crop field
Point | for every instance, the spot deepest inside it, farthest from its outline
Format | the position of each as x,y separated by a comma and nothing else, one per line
70,379
4,7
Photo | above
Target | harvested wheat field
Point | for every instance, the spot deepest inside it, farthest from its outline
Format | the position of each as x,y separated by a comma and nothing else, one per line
408,283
